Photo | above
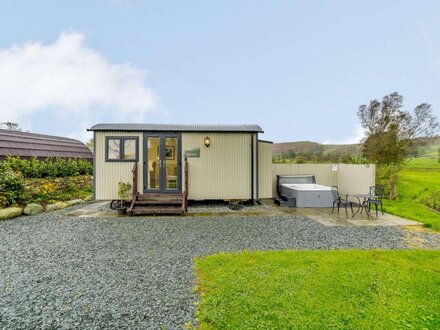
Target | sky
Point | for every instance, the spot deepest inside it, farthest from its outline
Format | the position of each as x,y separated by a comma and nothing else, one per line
299,69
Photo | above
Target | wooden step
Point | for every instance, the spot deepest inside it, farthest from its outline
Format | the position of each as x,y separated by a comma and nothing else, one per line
159,196
151,210
158,202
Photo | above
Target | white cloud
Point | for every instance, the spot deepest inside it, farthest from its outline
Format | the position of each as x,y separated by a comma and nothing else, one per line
355,137
67,84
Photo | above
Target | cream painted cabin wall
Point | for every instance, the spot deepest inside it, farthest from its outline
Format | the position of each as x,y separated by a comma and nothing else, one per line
223,170
108,174
265,170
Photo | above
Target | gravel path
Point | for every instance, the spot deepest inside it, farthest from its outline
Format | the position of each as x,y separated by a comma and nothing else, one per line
67,272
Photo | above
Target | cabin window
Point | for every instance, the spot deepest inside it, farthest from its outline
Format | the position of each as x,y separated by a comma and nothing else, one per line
121,149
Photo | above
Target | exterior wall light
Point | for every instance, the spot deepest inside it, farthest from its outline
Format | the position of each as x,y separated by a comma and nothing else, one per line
207,141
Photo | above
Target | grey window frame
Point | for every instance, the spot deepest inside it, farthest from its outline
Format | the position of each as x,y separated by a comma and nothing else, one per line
121,148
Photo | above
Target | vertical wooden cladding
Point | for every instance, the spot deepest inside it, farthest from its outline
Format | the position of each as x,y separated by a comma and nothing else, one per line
108,174
223,170
265,169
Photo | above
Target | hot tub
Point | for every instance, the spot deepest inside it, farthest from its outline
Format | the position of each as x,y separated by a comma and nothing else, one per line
301,190
308,194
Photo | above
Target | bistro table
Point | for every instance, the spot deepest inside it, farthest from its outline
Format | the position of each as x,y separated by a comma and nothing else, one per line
363,204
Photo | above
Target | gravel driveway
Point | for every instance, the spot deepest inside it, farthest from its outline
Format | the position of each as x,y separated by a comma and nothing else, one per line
67,272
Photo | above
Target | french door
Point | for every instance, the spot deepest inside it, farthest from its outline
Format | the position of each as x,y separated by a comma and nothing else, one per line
162,163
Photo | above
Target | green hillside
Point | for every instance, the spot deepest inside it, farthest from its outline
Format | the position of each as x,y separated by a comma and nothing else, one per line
425,156
314,147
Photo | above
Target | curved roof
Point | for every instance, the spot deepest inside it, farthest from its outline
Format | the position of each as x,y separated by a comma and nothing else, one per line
27,145
177,128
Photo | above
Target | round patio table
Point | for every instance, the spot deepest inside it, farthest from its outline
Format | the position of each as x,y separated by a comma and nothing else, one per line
363,204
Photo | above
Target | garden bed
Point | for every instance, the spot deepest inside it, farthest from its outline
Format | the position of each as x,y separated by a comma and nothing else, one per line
49,190
31,186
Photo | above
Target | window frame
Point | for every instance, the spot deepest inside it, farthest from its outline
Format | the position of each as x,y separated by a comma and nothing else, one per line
121,148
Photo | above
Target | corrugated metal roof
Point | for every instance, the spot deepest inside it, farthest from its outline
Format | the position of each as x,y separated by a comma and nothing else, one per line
27,145
177,128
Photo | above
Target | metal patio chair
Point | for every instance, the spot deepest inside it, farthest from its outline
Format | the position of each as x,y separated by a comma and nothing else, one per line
377,193
338,201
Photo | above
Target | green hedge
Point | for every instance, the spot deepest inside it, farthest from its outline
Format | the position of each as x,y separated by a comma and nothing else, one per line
16,172
49,168
11,186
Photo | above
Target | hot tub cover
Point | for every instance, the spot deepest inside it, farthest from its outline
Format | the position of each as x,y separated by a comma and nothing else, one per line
308,194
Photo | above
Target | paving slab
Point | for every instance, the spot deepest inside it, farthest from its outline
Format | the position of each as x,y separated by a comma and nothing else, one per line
327,218
97,209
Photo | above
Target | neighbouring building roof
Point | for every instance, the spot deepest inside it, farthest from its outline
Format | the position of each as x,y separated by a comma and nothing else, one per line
177,128
27,145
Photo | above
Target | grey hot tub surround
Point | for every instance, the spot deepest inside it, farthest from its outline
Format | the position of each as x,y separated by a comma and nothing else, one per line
302,191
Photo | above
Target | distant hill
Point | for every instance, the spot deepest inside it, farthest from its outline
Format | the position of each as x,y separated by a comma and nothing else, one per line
302,147
306,151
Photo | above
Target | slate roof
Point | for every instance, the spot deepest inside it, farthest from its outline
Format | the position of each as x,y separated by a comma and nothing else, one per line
27,145
176,128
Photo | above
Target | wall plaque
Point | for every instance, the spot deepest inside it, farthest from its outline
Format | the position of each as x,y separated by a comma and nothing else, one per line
193,153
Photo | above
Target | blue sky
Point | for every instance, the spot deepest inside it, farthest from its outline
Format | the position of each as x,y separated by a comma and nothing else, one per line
299,69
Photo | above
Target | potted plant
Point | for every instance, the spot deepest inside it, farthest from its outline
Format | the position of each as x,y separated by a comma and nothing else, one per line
123,190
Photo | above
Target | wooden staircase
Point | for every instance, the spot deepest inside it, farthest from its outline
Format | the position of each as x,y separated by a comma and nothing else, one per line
144,204
154,204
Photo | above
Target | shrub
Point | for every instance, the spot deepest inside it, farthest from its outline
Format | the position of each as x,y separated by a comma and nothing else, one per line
432,201
386,175
49,168
11,187
123,190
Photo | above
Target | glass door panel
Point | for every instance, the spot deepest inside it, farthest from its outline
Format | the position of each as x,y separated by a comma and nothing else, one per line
162,165
171,164
153,162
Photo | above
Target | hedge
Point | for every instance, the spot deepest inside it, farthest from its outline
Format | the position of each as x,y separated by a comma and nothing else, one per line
14,173
11,186
49,168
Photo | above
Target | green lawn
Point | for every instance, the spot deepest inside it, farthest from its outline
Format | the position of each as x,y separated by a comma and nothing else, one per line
320,290
413,186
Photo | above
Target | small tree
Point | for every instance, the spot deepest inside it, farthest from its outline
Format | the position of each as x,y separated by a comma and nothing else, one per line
291,154
390,132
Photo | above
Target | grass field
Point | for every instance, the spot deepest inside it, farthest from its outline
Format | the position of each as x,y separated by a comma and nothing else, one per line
423,163
320,290
417,181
